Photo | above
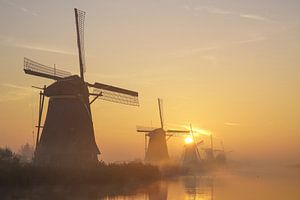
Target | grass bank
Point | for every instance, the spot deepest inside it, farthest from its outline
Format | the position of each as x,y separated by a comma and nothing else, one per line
28,174
15,172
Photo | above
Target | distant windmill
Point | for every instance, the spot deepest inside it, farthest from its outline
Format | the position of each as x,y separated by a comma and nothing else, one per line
191,155
68,136
156,151
214,154
210,154
221,154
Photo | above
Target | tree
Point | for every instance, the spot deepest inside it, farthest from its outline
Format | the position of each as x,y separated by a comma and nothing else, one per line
26,153
7,156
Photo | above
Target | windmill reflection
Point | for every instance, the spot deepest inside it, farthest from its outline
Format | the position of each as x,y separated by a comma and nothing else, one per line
190,187
194,187
157,191
197,188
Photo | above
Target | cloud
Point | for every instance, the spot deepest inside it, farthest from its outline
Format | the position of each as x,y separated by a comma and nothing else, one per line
255,39
51,50
17,86
212,58
8,2
231,124
221,11
11,41
6,39
21,8
15,92
193,51
254,17
25,10
213,10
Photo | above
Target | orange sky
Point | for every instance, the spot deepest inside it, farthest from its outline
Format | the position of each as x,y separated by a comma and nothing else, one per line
229,67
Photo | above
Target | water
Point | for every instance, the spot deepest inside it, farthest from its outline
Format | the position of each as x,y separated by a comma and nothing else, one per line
246,184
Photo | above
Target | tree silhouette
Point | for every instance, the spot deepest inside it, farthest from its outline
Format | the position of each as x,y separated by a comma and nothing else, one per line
7,157
25,153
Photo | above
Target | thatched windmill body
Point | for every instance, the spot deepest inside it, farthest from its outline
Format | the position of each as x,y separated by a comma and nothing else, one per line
67,137
156,150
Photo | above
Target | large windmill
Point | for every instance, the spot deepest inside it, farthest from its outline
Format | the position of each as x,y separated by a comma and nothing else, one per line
67,137
156,151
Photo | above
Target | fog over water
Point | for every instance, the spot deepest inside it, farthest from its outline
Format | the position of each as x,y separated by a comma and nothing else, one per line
242,182
230,67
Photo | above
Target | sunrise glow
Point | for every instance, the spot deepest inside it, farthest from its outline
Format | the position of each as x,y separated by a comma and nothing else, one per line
188,140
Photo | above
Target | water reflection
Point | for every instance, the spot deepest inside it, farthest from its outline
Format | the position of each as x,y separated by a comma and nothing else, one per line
199,188
181,188
83,192
157,191
240,185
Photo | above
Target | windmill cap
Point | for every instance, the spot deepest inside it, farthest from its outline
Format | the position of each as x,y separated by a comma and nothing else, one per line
72,85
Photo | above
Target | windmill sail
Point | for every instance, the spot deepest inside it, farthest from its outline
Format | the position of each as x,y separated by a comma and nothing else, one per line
79,17
144,129
37,69
160,113
116,94
173,132
178,132
191,156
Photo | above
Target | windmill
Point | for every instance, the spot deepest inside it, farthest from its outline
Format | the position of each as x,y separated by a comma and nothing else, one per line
214,154
221,154
156,151
191,155
67,136
209,152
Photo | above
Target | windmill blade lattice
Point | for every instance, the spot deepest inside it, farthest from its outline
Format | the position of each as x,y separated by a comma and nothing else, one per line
115,94
37,69
160,108
144,129
179,132
80,17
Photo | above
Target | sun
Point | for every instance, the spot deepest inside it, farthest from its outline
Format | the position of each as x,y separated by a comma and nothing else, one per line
188,140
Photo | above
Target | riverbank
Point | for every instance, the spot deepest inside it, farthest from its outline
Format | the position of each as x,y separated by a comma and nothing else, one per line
103,174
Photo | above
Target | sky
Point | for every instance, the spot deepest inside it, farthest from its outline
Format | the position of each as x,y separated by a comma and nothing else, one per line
230,67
